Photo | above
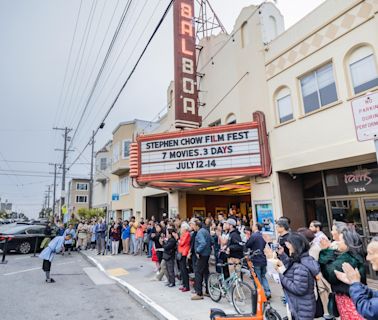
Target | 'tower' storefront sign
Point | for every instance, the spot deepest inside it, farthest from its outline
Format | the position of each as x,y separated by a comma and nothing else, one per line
186,93
231,150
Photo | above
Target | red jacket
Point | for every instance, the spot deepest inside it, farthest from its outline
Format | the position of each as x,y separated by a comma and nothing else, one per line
184,244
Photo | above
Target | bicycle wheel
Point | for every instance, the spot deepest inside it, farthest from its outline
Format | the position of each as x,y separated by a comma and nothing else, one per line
271,314
214,286
241,296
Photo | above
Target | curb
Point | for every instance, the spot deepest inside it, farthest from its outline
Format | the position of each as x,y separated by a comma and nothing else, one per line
158,311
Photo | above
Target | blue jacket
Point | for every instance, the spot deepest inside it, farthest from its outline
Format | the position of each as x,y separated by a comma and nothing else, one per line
126,233
55,246
365,300
100,230
72,233
202,243
257,242
298,283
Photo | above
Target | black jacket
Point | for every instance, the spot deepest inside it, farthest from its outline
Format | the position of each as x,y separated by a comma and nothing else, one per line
257,242
169,249
234,244
155,239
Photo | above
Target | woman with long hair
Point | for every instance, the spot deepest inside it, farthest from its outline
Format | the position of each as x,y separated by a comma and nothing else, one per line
299,277
346,248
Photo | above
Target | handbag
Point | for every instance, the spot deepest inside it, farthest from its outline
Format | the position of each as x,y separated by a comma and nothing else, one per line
318,304
332,306
178,256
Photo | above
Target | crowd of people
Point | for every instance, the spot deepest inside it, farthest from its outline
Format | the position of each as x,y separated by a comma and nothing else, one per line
320,277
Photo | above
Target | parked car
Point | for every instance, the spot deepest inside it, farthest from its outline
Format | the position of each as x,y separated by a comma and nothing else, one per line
22,238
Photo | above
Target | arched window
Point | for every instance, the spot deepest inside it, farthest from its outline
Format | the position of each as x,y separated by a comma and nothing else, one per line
283,105
363,69
231,119
273,26
244,34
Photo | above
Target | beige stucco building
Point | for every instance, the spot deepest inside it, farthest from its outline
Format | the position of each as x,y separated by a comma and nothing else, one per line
78,196
303,79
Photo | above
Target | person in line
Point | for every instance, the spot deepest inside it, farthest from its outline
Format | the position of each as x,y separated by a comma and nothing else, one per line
150,230
283,227
192,255
234,245
347,247
114,236
125,237
298,279
69,235
93,235
364,298
100,236
169,256
316,227
133,228
61,230
155,236
183,250
202,249
81,236
139,238
56,245
257,243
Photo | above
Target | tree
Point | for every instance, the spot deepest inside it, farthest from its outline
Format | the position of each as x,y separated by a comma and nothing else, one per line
88,214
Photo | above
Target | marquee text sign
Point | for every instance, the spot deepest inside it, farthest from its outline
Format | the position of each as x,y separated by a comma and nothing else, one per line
186,93
208,152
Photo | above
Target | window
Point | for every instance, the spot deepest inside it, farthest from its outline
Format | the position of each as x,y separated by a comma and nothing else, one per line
318,88
116,152
215,123
115,189
363,69
124,185
103,164
126,148
81,186
283,103
231,119
81,199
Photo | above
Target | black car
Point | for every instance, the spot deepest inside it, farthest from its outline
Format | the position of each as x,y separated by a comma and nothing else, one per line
22,238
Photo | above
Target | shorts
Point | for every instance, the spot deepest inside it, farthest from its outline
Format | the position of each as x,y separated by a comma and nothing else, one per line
46,265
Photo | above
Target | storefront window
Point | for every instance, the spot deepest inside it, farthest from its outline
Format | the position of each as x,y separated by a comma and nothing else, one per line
352,180
316,210
312,185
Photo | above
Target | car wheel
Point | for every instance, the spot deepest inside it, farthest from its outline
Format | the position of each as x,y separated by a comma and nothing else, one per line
25,247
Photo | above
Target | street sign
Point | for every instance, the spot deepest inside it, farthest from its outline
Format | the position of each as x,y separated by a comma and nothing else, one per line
365,113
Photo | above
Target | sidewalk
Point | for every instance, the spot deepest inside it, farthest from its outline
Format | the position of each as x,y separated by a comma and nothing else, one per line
136,275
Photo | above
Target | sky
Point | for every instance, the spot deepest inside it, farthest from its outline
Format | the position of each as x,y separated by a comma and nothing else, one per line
52,51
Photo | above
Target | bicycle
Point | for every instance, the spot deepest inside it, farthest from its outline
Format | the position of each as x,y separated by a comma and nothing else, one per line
233,288
261,308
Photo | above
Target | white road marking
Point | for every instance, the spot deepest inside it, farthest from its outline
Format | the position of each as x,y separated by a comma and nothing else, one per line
32,269
21,258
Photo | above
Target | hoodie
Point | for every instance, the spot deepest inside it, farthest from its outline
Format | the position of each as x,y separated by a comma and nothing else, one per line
298,283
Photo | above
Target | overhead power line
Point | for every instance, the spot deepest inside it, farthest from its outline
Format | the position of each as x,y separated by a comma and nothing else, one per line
127,7
127,79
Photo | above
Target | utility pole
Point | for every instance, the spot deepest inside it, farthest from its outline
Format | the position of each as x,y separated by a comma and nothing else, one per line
91,179
48,196
66,138
54,187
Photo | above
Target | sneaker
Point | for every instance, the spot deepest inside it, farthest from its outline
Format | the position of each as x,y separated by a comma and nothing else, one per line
51,280
196,297
206,294
171,285
185,290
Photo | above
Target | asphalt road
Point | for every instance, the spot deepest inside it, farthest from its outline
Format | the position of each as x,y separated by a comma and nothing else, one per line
80,292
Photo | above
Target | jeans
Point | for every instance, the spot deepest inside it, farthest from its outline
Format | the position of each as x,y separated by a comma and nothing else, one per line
139,246
202,273
184,272
260,272
150,244
132,243
163,270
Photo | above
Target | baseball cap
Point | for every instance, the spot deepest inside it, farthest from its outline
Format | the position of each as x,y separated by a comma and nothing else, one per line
231,222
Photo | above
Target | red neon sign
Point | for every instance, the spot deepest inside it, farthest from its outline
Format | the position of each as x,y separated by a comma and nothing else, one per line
186,93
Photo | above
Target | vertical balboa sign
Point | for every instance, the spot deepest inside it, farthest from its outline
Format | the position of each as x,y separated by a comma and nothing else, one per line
186,94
